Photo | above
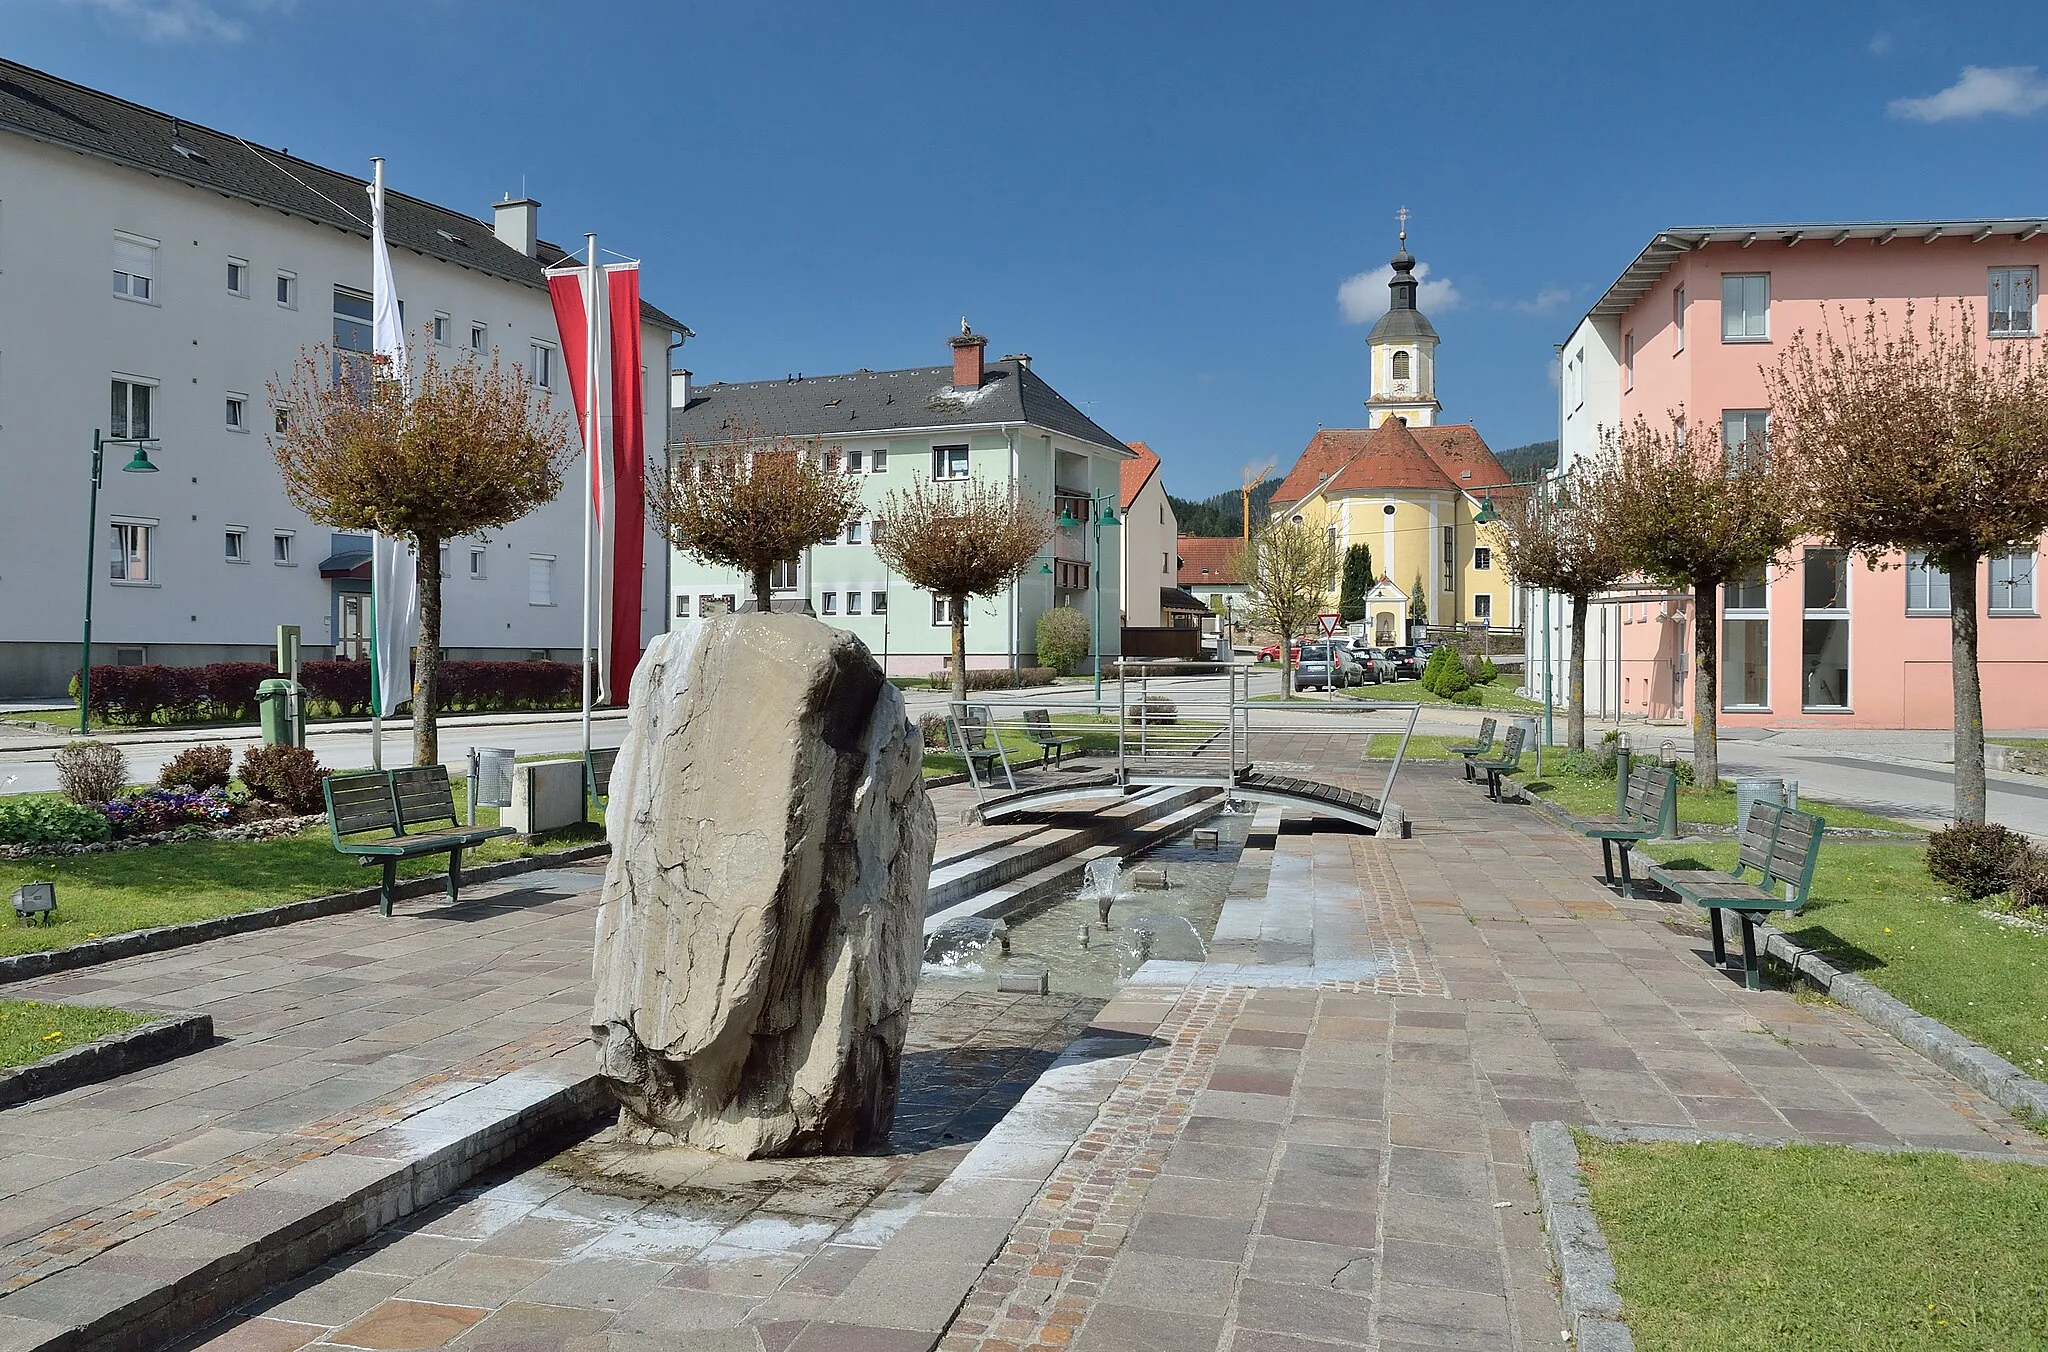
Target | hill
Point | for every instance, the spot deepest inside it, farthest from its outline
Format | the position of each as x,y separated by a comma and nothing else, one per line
1524,463
1221,514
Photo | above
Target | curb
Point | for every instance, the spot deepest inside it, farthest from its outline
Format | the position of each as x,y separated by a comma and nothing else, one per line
103,1058
91,953
1585,1268
1973,1063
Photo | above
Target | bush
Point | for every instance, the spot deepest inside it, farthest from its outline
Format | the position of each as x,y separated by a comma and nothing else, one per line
1155,709
49,820
2030,882
231,688
1062,638
1465,696
91,772
932,729
1597,762
345,686
1486,673
198,768
995,678
290,775
149,811
1445,675
1977,861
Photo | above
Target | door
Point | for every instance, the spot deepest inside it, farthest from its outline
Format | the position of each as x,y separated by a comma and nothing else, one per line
352,644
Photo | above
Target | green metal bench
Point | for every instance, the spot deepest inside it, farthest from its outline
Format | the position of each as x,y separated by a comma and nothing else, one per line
396,801
1471,751
1650,810
1782,846
1510,761
1051,745
597,776
982,751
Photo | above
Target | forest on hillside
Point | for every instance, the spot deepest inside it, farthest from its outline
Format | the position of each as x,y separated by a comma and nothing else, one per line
1220,514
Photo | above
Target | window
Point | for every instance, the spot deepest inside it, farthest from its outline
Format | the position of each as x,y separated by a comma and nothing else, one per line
878,604
1926,585
1450,558
1482,558
853,600
447,551
540,579
288,290
1628,360
782,577
234,544
949,462
1401,365
131,409
854,463
134,267
1745,433
281,548
1166,560
708,606
279,418
238,277
2012,292
854,531
542,373
479,337
237,413
353,344
441,327
828,603
2012,582
1746,643
130,561
1678,316
1579,379
942,610
1824,651
1482,607
878,462
1745,307
476,561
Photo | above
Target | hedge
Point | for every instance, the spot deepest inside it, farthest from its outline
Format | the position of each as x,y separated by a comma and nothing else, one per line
995,678
226,691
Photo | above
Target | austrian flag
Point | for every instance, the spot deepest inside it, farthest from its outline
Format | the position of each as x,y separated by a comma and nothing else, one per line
616,452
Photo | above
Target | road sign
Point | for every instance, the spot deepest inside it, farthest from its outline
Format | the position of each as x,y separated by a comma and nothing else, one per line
1329,621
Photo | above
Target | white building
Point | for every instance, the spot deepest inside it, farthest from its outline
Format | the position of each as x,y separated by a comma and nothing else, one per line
155,277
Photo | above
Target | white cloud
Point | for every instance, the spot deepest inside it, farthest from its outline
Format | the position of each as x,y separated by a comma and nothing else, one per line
1547,301
181,20
1554,369
1364,298
1880,43
2012,90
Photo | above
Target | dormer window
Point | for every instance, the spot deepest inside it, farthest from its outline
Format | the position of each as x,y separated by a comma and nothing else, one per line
1401,366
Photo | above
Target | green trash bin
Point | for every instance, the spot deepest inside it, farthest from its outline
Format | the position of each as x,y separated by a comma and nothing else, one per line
274,707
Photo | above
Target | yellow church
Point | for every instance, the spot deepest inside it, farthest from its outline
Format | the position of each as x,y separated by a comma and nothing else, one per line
1407,488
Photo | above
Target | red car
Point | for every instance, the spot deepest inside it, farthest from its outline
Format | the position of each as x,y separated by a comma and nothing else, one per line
1271,652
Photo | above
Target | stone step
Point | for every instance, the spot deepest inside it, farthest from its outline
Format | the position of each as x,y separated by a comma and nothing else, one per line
1035,848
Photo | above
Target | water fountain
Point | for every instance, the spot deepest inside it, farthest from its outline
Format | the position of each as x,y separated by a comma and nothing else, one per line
1102,882
957,945
1162,935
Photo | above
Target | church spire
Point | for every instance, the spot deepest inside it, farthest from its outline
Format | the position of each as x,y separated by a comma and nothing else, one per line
1402,284
1403,347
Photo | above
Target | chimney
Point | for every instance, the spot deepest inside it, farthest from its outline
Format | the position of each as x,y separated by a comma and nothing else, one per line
1022,359
518,224
967,349
678,389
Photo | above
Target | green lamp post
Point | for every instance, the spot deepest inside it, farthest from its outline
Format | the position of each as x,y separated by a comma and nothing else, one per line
1096,522
137,464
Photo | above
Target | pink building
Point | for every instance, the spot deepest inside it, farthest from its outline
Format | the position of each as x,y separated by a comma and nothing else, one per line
1821,640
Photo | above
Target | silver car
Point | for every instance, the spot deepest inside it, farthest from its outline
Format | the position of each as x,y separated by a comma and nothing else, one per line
1376,667
1326,666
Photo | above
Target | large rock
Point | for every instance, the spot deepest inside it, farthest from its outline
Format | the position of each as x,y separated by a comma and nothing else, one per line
761,928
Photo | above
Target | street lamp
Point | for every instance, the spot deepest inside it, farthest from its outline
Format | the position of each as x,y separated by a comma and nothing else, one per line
137,464
1068,521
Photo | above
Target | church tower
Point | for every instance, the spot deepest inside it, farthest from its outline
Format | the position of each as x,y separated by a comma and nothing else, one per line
1403,348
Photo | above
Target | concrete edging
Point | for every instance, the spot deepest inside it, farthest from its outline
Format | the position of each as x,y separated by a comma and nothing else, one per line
91,953
1585,1268
103,1058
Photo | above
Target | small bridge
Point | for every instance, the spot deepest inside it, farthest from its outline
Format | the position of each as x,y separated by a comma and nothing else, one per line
1336,758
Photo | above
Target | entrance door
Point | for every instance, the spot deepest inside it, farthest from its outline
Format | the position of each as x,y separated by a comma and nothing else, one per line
352,644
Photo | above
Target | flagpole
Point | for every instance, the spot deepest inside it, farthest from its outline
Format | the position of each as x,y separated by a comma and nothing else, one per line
590,454
376,694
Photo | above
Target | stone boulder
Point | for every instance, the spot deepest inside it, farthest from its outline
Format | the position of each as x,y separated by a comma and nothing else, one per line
760,932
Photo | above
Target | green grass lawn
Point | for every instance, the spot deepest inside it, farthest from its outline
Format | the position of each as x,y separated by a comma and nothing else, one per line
31,1030
1498,695
1586,796
1874,910
1736,1248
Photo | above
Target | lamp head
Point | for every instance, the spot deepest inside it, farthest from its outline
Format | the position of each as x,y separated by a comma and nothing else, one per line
1108,516
1486,512
1067,521
139,463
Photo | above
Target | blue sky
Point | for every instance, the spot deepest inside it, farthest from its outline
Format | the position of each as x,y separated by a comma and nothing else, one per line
1161,202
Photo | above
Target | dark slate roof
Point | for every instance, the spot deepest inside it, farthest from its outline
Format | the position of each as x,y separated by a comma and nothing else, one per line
1400,326
1175,598
44,108
873,402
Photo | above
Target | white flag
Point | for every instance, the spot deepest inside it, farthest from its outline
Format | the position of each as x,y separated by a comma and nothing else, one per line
394,579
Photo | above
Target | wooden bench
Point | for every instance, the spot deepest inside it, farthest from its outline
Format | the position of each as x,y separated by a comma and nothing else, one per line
1782,846
1509,762
971,739
1051,745
1649,810
396,801
1471,751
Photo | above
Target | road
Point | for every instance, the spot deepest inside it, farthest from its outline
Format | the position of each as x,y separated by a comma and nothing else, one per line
1867,770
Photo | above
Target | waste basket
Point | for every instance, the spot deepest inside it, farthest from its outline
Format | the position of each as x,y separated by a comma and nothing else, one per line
1756,790
276,699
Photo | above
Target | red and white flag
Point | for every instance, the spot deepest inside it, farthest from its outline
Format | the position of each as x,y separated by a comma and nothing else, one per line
617,462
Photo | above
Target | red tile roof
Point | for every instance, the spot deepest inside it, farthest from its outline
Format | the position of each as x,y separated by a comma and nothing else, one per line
1135,472
1392,456
1207,562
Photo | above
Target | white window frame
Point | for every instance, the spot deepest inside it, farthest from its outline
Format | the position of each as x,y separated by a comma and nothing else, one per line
853,601
238,266
1731,613
942,611
540,374
127,429
118,562
1678,317
124,281
479,336
234,545
2011,558
287,290
443,328
479,562
235,412
784,576
1755,328
856,532
288,556
1482,558
1835,614
878,603
546,574
878,460
1748,421
1628,361
1482,608
1926,574
943,458
2005,279
856,461
447,559
828,603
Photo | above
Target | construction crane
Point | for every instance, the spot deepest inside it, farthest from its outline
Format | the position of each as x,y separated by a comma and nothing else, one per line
1252,479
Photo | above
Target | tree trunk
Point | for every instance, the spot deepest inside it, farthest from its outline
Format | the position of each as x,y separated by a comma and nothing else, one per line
1706,695
1575,713
1969,721
1286,664
960,650
763,592
426,670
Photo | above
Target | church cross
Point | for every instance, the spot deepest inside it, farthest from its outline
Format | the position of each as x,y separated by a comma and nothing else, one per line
1402,216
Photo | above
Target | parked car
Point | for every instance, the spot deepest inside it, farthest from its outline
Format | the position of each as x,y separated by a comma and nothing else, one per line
1373,663
1326,666
1271,652
1408,662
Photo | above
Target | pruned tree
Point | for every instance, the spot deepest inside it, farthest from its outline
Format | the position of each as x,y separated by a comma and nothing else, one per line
1922,437
1691,512
1558,535
1288,569
752,501
1358,580
467,448
959,541
1418,603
